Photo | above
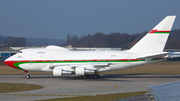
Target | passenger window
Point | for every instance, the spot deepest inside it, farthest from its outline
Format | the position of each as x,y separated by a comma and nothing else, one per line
40,52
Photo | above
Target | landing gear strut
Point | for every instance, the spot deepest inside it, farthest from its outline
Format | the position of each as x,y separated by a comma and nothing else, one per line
27,76
95,76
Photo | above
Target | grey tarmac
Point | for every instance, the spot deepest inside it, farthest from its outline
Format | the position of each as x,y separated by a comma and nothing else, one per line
70,86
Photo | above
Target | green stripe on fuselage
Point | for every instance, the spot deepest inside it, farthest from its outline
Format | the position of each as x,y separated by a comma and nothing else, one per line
18,63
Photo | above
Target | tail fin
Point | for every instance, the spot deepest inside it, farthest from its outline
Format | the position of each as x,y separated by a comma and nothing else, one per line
155,40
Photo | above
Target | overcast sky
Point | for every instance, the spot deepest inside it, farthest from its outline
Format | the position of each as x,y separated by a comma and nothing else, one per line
58,18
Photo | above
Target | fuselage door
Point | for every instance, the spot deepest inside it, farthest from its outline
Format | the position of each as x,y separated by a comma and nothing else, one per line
51,61
129,59
31,60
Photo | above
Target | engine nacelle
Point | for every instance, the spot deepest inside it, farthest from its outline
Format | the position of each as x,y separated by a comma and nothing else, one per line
61,72
83,71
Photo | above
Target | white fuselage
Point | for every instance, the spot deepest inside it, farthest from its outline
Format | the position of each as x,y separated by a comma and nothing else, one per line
43,59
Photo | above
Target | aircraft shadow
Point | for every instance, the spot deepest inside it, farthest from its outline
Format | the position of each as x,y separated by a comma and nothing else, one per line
108,77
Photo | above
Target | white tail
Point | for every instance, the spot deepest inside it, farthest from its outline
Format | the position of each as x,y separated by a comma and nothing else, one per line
155,40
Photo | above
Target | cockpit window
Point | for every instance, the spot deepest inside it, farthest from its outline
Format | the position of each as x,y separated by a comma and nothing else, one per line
20,52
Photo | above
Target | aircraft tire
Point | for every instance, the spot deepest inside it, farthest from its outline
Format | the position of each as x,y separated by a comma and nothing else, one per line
91,77
95,76
80,77
27,76
84,77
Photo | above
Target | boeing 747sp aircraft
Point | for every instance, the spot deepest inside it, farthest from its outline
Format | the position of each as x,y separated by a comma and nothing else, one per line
87,64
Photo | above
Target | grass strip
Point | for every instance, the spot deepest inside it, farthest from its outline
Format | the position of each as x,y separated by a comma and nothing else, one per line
162,68
15,87
107,97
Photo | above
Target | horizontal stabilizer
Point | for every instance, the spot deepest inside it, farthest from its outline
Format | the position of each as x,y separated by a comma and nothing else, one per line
154,56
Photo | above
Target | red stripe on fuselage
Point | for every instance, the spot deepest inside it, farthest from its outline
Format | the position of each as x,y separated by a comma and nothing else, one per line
11,64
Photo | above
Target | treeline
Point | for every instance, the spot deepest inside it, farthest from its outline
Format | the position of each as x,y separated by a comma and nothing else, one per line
44,42
120,40
173,40
113,40
6,42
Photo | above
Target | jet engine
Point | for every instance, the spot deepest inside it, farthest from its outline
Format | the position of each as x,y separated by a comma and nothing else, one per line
61,72
83,71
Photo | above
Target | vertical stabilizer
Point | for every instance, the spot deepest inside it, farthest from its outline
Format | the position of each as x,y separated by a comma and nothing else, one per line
155,40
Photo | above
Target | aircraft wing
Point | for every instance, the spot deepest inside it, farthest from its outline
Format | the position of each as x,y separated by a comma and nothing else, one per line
100,64
93,66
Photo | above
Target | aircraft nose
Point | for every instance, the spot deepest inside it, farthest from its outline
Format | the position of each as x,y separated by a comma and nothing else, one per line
7,62
10,63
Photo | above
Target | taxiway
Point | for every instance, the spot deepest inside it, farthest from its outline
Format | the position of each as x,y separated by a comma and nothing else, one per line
70,86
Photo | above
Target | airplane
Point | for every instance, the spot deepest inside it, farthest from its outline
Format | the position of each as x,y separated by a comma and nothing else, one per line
87,64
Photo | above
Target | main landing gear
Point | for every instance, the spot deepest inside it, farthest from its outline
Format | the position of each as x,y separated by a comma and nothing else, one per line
27,76
95,76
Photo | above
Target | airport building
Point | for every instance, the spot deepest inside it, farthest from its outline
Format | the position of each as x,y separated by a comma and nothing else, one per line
5,54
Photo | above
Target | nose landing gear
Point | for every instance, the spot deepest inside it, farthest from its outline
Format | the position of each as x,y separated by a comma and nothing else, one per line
27,76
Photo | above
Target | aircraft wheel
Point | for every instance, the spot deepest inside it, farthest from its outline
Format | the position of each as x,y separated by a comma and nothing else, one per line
95,76
91,77
80,77
27,76
84,77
